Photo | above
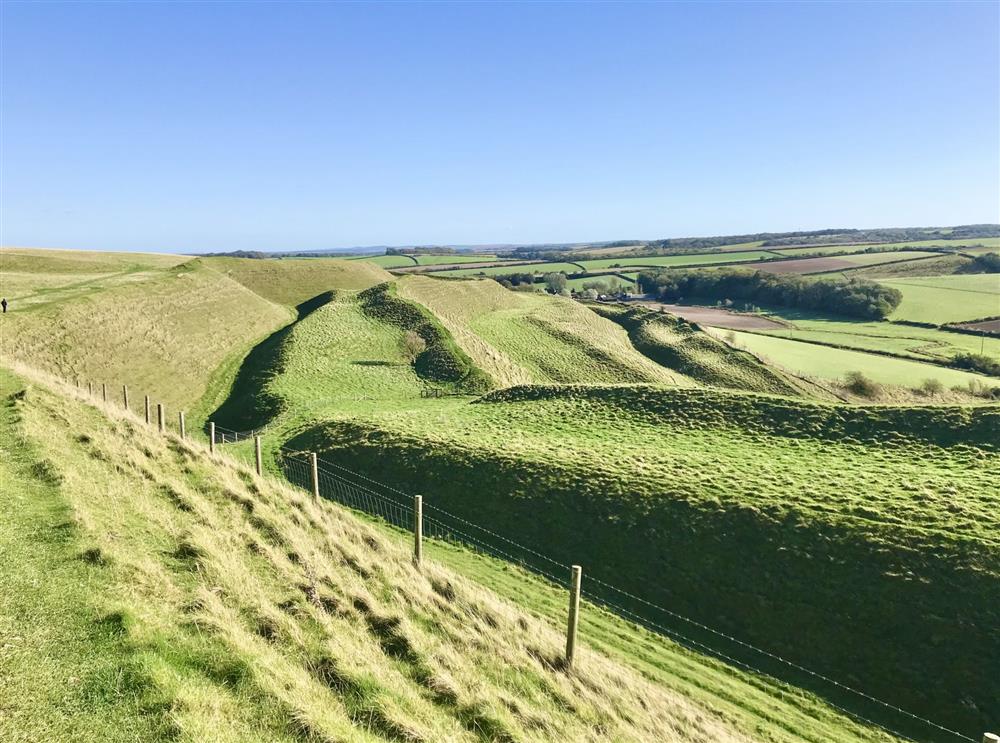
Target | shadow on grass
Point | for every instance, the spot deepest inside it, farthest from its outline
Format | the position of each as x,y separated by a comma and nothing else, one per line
250,404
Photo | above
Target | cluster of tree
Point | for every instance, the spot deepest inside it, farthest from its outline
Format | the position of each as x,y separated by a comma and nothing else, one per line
422,250
255,254
985,263
511,280
853,297
976,362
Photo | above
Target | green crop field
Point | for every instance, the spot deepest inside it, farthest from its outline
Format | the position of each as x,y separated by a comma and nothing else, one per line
811,360
871,259
947,299
670,465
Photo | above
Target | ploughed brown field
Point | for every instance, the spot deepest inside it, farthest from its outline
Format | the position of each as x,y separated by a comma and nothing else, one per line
805,265
716,317
988,326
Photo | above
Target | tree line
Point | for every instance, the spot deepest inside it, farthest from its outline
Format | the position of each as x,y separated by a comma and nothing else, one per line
853,297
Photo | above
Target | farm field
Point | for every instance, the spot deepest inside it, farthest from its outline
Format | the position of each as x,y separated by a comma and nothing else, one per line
536,268
623,279
942,266
387,261
812,360
947,299
434,260
903,340
837,262
689,259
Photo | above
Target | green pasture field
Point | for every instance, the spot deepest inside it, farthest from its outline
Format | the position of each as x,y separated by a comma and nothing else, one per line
947,299
436,260
535,268
578,284
902,340
388,261
688,259
812,360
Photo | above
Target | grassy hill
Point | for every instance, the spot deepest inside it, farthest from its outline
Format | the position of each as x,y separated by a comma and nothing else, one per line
164,593
858,541
679,345
293,281
831,535
519,337
167,331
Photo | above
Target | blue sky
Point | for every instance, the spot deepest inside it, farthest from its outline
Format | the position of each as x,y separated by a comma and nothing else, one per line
264,126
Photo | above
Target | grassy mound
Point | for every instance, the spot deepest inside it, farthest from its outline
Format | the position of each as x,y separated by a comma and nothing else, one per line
442,361
292,282
220,605
174,332
860,542
520,338
679,345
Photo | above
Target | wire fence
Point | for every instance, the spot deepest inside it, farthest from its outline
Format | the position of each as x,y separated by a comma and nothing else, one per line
394,506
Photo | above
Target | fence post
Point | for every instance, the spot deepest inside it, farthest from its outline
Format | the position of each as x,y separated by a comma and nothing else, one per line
315,474
90,388
211,437
574,613
147,410
418,529
159,416
991,738
256,455
180,424
125,396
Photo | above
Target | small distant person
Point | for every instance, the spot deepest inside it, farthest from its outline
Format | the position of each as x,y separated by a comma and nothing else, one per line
3,303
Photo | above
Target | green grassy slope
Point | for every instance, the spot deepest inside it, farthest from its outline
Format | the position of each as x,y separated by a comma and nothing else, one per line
945,299
838,537
519,337
166,334
291,282
223,606
679,345
823,362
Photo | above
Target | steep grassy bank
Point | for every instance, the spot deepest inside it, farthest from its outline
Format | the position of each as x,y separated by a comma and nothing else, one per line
857,542
679,345
232,607
521,338
166,332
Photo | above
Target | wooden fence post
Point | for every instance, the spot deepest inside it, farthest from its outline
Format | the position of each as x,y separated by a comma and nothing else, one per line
257,456
315,474
180,424
211,437
125,396
159,416
418,529
147,410
574,613
90,388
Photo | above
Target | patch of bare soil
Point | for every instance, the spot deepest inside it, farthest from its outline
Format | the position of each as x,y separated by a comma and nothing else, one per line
715,316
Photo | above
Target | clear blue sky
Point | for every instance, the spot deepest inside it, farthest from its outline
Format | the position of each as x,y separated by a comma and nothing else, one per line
199,126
